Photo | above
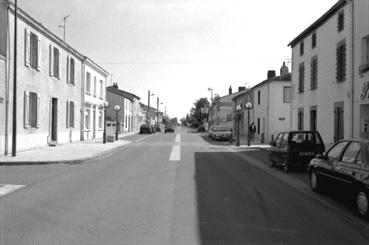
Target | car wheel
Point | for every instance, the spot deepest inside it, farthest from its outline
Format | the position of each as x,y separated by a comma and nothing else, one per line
286,166
315,182
362,204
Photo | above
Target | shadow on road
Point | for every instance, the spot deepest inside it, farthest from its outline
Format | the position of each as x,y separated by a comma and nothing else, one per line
240,204
206,138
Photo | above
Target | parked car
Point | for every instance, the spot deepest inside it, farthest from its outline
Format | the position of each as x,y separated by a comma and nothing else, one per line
295,149
346,166
157,128
220,132
146,129
201,128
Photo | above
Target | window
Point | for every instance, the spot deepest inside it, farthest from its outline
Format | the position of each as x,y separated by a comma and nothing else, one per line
70,70
31,110
302,48
87,118
313,40
364,67
258,125
278,140
259,97
32,50
70,114
301,77
101,119
300,119
340,21
335,152
351,153
313,117
286,94
284,140
95,94
88,83
314,73
101,89
56,67
341,62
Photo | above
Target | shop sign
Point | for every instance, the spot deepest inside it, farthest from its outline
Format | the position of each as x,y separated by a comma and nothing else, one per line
365,91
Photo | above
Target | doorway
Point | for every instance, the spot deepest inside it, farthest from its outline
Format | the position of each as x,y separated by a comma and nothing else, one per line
54,119
338,121
94,123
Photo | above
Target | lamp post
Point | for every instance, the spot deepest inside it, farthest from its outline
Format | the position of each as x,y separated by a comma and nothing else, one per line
116,109
148,106
105,105
238,118
248,108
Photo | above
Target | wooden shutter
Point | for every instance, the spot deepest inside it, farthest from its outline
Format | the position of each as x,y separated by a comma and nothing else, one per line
59,64
68,70
67,114
38,119
26,110
38,53
51,60
27,48
71,114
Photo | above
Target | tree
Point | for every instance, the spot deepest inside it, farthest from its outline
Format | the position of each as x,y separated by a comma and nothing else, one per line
196,116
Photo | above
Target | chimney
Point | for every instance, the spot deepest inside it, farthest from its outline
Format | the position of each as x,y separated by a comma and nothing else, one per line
284,70
271,74
230,90
241,89
115,85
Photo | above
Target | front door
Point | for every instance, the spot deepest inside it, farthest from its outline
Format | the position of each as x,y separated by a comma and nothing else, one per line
54,119
338,122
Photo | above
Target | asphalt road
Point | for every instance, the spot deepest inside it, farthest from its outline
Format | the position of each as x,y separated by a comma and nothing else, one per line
171,189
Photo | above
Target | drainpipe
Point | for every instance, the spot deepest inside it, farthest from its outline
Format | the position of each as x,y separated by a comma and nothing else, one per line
7,80
352,64
268,107
82,119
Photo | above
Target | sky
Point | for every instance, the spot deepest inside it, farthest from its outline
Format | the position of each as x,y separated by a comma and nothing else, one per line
178,49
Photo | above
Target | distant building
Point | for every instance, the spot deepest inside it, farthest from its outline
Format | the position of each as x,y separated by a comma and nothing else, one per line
330,73
94,78
129,108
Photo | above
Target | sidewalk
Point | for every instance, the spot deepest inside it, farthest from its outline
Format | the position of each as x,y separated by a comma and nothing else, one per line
256,144
69,153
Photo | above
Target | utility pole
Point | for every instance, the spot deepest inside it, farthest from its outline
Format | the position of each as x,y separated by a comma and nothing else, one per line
14,133
63,26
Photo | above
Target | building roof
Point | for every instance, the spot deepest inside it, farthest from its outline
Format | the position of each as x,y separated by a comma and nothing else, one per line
98,68
274,79
122,93
318,22
241,94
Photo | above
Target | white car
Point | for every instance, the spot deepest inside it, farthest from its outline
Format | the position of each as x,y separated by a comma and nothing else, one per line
220,132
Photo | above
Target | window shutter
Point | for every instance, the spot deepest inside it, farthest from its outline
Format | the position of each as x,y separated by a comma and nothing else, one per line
38,112
71,114
26,110
68,70
27,48
51,63
67,115
59,65
38,53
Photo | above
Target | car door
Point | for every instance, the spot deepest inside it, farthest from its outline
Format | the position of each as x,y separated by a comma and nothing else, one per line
326,166
347,167
275,149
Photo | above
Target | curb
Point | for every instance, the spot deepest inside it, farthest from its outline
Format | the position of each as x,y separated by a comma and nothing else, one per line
95,157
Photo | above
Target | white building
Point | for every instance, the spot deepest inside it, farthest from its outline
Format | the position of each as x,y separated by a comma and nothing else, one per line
271,105
330,73
94,78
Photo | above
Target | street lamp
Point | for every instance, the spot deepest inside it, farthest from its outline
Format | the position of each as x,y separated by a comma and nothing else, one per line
148,106
105,105
116,109
238,118
248,108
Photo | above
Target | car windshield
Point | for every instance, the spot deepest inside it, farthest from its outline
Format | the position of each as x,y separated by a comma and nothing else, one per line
305,138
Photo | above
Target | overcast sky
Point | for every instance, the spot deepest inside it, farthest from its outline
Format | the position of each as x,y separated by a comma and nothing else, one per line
180,48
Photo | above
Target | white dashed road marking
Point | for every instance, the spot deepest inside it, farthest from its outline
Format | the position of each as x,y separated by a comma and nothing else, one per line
6,189
175,155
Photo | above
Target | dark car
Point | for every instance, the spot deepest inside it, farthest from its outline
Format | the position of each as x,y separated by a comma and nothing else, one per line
146,129
169,130
157,129
220,132
345,166
295,149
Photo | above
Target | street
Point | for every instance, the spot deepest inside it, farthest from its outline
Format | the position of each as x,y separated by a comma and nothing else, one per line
172,189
